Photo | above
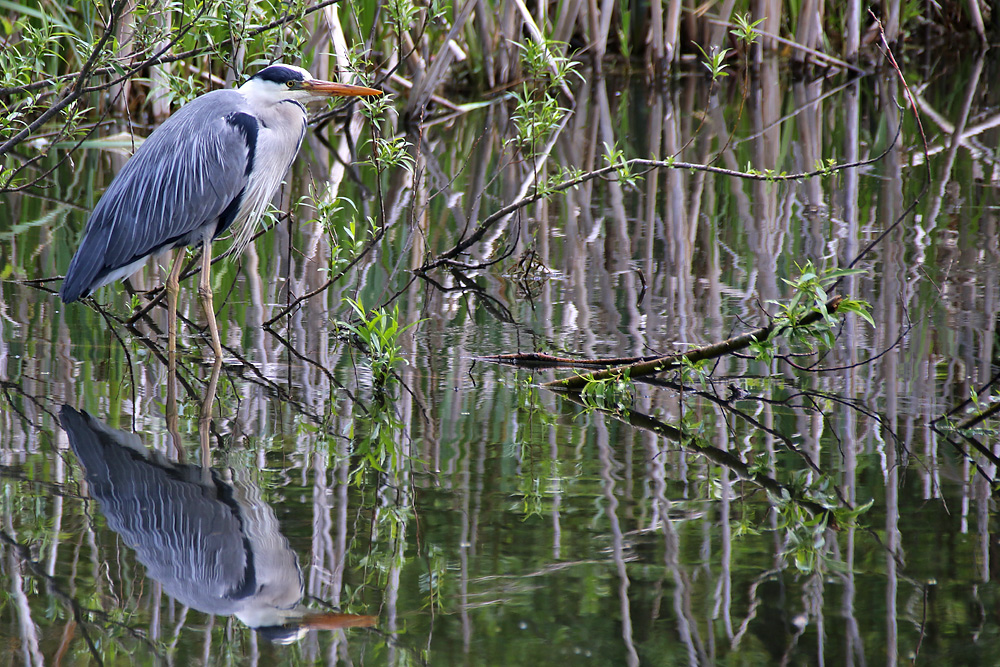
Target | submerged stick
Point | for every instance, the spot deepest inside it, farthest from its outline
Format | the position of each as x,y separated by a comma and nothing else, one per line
660,364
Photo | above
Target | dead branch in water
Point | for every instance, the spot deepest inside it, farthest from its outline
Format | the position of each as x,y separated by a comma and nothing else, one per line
542,360
660,364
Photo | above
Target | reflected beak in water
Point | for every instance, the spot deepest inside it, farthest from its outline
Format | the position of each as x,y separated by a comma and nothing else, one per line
336,621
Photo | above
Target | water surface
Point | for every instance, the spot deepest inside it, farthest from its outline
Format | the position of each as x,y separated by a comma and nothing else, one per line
486,520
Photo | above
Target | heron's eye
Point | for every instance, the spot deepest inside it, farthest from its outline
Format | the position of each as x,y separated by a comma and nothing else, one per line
290,83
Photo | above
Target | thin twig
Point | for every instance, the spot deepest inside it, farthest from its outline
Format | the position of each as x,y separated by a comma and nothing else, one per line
325,286
830,60
643,163
78,89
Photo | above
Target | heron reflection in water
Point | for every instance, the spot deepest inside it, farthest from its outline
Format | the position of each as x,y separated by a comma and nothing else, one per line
214,546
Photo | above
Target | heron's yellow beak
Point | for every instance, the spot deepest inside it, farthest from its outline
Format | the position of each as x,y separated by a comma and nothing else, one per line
320,87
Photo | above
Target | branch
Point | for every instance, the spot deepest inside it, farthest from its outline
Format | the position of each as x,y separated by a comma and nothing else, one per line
160,59
660,364
78,88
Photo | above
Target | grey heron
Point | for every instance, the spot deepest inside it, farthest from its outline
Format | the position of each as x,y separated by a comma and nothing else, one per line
213,165
214,545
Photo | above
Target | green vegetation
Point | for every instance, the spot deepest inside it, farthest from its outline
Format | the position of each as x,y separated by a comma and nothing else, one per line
376,332
65,65
796,318
506,196
615,393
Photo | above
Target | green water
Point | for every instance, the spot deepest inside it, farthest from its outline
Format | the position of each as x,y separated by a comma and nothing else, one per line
486,520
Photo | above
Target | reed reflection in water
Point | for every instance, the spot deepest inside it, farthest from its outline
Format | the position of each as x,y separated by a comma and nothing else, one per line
511,525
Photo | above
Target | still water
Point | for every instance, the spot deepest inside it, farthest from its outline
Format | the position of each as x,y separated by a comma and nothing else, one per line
476,516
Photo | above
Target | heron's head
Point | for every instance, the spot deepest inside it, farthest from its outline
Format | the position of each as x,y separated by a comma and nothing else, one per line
280,83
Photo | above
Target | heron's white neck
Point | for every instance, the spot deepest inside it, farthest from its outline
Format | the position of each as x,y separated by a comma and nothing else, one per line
282,124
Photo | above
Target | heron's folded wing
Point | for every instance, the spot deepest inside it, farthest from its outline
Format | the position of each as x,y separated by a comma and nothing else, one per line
179,183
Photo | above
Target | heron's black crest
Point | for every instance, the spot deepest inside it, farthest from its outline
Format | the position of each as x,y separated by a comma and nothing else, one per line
279,74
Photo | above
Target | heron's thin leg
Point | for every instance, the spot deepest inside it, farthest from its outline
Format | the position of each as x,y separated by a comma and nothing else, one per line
173,286
205,422
205,292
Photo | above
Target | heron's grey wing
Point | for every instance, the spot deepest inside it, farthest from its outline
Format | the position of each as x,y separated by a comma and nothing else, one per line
189,175
187,534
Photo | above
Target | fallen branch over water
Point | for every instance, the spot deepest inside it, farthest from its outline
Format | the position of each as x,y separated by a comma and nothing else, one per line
542,360
715,350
